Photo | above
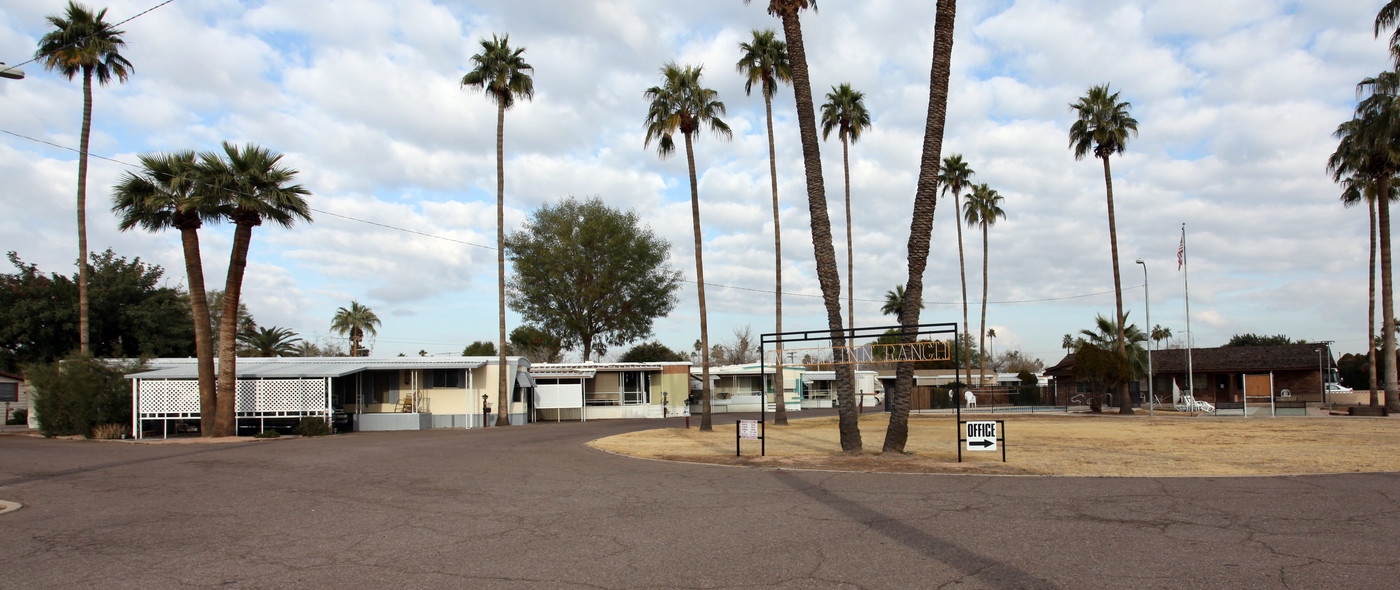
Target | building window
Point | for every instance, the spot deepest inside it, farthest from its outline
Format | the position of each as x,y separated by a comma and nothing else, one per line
9,392
448,378
635,388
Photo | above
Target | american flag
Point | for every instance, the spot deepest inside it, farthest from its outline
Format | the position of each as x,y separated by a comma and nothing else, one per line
1181,252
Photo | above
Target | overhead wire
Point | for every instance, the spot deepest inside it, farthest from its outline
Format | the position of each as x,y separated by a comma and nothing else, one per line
114,25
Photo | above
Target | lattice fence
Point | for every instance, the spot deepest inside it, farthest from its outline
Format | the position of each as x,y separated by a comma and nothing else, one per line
166,398
267,397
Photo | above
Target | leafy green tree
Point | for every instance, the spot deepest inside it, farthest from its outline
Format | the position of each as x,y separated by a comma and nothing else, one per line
1252,339
845,112
1101,128
536,344
480,348
765,62
982,209
652,352
682,104
356,321
501,72
954,176
168,193
83,42
243,322
788,11
1101,368
593,276
253,183
268,342
921,220
80,393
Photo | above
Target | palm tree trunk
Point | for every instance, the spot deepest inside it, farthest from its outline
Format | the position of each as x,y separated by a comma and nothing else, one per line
705,420
982,328
84,337
779,401
921,226
962,272
1392,401
502,400
203,343
225,422
1371,313
850,254
825,254
1125,405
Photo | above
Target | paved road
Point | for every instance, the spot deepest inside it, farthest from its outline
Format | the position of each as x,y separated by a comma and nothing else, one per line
531,507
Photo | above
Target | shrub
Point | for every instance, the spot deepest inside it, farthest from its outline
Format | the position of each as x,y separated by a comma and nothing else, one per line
75,395
110,431
19,417
267,434
312,426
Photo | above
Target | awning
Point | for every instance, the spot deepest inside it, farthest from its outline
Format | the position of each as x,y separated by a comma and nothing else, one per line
302,368
523,380
561,374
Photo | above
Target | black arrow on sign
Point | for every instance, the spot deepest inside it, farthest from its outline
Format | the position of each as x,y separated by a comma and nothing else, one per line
980,443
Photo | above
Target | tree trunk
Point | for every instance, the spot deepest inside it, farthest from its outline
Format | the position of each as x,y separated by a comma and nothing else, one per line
199,309
921,226
825,254
1392,402
982,328
1125,401
962,272
502,397
84,337
779,401
1371,312
850,256
225,420
706,425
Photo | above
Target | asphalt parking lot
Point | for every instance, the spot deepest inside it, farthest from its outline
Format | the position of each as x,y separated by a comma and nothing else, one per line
531,507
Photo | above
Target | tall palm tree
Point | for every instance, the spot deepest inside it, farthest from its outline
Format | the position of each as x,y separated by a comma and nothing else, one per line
1104,336
1160,333
1067,343
83,42
1355,190
992,351
1368,147
894,303
765,62
269,342
253,183
1386,18
682,104
501,73
1102,129
788,11
355,322
167,193
955,175
845,112
921,221
983,208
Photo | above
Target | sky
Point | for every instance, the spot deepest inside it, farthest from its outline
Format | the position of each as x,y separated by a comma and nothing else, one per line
1236,102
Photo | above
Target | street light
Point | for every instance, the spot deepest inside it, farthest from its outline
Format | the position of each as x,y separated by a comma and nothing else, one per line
11,72
1147,302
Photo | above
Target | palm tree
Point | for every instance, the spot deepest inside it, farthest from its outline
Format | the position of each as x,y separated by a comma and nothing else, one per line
1388,17
1368,147
266,342
991,335
983,208
894,302
501,73
921,221
955,175
1067,343
253,183
683,104
788,12
355,322
1160,333
167,193
83,42
1102,128
1104,336
1355,190
765,62
845,112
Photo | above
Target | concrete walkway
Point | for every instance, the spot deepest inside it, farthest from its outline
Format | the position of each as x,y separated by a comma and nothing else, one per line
531,507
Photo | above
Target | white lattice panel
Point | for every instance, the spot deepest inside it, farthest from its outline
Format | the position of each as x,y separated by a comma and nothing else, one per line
169,397
289,395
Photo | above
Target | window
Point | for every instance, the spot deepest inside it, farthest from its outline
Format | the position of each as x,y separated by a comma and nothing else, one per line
635,387
451,378
9,392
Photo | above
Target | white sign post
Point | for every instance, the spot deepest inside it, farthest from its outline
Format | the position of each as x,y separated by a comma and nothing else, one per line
748,429
982,435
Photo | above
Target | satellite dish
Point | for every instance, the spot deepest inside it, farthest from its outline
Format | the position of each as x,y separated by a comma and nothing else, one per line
1285,393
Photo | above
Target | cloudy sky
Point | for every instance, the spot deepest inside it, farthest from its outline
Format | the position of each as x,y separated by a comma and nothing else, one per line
1236,102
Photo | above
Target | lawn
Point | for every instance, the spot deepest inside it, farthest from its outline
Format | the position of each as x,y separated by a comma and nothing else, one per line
1050,444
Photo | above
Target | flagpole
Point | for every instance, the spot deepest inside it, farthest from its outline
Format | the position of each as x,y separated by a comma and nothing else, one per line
1186,285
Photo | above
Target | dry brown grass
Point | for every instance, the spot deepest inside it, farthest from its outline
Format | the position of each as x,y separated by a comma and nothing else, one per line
1089,445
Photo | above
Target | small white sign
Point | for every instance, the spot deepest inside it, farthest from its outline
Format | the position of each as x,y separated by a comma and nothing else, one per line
748,429
982,436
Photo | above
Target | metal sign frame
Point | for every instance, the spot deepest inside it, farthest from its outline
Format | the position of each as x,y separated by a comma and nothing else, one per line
1000,437
762,437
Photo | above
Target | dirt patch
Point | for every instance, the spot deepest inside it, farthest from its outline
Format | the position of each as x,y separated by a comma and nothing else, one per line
1086,445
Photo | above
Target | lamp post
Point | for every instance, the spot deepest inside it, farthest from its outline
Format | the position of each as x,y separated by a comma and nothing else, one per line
11,72
1147,302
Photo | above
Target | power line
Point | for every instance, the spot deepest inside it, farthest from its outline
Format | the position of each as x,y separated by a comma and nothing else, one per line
114,25
486,247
